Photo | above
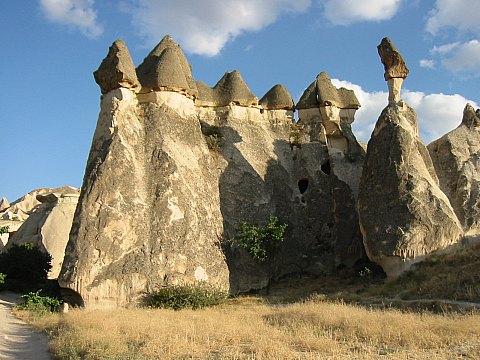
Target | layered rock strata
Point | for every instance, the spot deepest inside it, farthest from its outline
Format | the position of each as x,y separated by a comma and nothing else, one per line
404,215
175,168
456,158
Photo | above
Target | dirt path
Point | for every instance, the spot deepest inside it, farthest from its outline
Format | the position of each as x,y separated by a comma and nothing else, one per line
17,339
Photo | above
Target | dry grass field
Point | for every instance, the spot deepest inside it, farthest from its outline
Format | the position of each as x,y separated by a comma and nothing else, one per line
322,318
247,329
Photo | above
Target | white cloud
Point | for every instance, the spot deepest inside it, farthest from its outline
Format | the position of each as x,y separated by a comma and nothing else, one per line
459,14
465,58
460,57
427,64
204,27
444,49
437,113
372,105
76,13
345,12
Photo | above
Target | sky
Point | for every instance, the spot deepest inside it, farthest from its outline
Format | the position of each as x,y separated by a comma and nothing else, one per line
49,102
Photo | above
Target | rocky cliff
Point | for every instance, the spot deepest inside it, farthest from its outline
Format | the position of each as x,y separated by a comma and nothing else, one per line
176,166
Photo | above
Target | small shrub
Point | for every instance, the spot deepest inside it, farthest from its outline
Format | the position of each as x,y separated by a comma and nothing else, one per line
176,297
213,137
39,304
295,136
261,242
4,229
2,278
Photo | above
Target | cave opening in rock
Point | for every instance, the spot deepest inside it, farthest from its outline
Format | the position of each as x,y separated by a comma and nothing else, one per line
302,185
326,167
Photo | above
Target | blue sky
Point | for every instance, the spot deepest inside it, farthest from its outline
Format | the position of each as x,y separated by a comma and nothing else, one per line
49,101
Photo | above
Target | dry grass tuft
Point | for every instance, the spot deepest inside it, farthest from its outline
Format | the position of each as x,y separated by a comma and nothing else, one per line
251,330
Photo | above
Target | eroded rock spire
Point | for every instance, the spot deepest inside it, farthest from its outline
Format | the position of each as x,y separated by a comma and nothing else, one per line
395,68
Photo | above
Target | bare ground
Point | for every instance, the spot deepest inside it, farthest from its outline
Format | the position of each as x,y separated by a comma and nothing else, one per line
17,339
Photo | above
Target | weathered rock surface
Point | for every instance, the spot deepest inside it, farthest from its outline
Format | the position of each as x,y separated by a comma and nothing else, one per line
4,204
117,69
48,226
456,157
230,89
148,213
166,68
277,98
404,215
395,69
158,205
392,60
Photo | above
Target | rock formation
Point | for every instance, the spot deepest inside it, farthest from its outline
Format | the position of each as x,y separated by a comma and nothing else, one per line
48,226
277,98
395,68
159,203
117,70
456,157
4,204
404,215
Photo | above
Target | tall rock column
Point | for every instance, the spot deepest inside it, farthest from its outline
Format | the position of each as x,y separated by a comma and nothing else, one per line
148,213
404,215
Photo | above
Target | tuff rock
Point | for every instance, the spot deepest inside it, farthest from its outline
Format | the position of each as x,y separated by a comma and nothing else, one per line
456,158
159,203
48,225
277,98
404,215
4,204
117,69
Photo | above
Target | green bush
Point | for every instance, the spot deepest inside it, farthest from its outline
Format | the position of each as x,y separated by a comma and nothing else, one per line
2,278
37,303
25,266
261,242
176,297
4,229
213,137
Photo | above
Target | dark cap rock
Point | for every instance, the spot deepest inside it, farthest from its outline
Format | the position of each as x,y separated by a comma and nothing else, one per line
166,68
277,98
471,118
117,69
322,93
231,88
392,60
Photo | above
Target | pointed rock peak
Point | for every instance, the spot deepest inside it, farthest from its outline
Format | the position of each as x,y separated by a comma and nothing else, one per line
231,88
117,69
308,100
175,59
392,60
4,204
277,98
322,93
166,42
471,118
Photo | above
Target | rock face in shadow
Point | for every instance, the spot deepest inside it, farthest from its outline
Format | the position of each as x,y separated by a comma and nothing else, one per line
48,226
404,215
456,157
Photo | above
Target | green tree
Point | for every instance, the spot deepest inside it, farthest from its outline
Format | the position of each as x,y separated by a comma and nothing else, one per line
25,266
261,242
